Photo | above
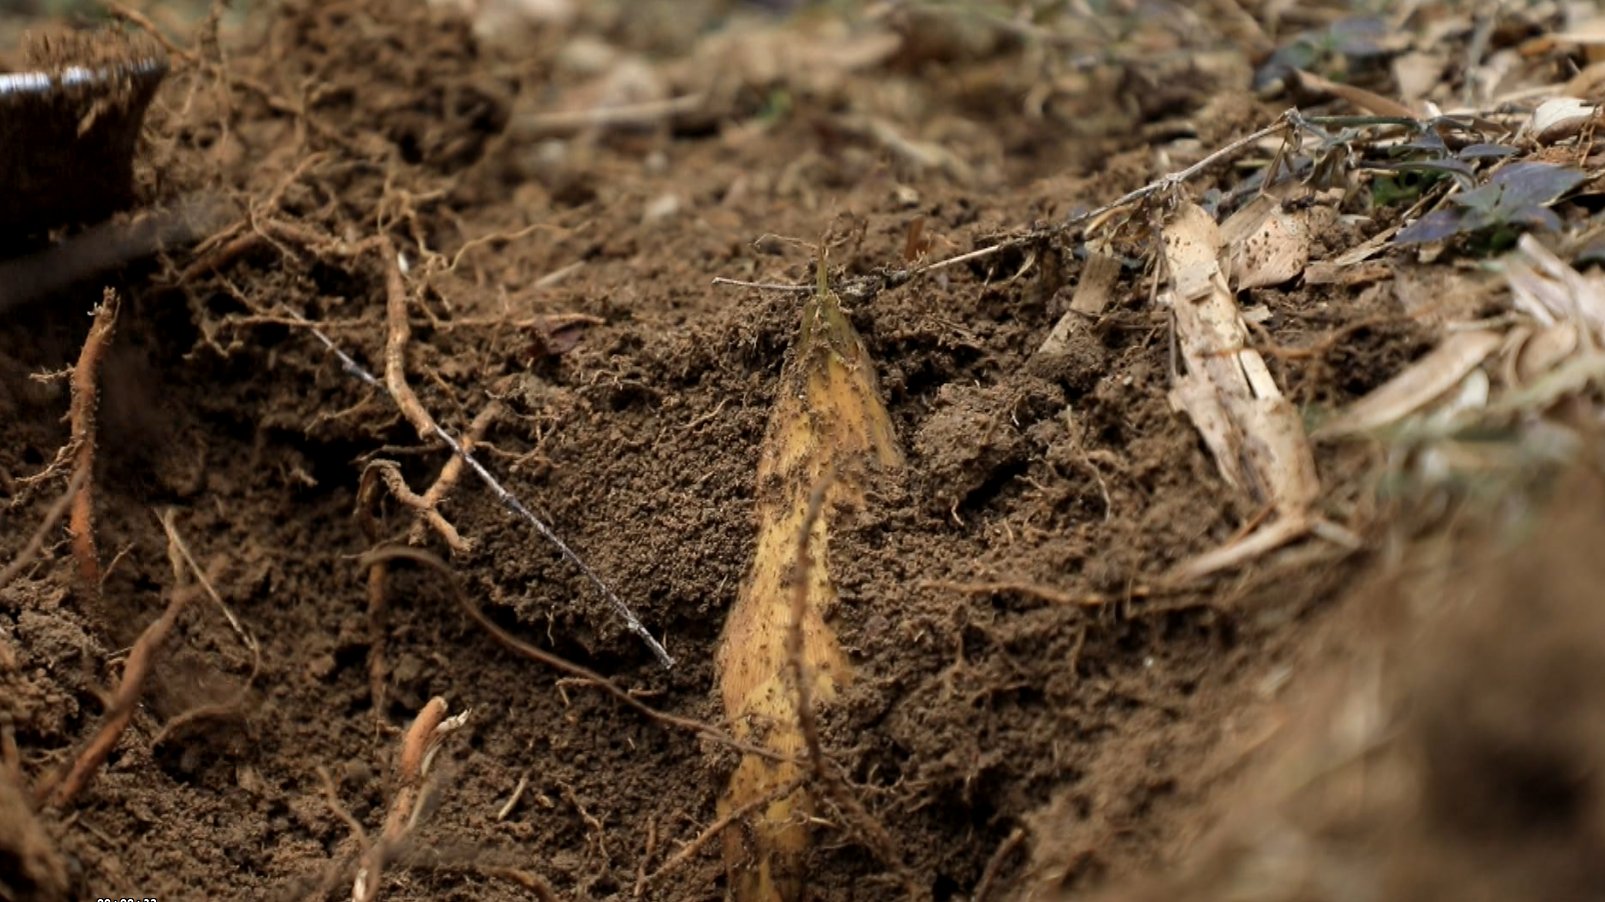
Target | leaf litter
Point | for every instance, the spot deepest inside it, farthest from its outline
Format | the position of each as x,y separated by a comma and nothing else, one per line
1357,265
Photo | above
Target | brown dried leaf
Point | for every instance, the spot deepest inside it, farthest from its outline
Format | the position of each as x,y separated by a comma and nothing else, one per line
1369,101
1560,118
1549,290
1545,350
1268,244
1097,283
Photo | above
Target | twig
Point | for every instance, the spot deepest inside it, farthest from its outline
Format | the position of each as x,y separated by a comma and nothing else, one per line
472,243
332,798
37,540
1158,186
556,662
512,801
59,789
85,402
766,286
868,286
402,395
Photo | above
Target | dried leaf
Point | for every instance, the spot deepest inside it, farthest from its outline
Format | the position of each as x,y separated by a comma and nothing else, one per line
1560,118
1549,290
1439,225
1416,386
1417,73
1522,185
1485,152
1098,280
1545,350
1369,101
1336,273
1268,244
1254,434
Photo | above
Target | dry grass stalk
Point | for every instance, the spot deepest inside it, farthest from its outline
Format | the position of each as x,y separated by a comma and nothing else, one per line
1415,386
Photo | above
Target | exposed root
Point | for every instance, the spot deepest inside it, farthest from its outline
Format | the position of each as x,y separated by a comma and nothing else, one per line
427,506
418,746
85,403
437,493
34,869
994,865
378,636
428,428
58,788
36,541
390,472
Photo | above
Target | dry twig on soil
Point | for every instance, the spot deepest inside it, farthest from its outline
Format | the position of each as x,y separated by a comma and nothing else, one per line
868,286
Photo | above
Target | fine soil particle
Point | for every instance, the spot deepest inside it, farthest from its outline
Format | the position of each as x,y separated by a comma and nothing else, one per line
999,734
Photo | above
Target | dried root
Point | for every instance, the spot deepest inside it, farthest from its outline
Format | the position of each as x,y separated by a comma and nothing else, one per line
85,404
418,747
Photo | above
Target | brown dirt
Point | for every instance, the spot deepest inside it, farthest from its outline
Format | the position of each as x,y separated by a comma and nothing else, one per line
1000,736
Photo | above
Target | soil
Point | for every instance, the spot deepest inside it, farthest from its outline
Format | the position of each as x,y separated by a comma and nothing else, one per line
1013,745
